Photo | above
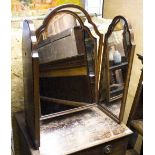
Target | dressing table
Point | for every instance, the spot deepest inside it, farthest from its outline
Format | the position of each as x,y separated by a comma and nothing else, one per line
66,95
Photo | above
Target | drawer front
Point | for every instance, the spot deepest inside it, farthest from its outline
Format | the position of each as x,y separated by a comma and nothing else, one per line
117,147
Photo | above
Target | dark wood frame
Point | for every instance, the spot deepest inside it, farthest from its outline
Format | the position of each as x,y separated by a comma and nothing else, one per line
31,81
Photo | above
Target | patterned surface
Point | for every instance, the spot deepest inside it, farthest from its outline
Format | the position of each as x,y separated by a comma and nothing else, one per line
85,128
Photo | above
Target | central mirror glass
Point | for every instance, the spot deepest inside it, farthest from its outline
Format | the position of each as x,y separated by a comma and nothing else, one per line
67,64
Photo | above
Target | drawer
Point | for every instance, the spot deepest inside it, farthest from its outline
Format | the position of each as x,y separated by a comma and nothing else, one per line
116,147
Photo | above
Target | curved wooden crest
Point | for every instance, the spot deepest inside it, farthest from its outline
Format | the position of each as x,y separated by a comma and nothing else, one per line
62,9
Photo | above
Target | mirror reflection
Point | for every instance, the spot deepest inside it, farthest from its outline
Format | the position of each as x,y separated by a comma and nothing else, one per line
67,65
115,71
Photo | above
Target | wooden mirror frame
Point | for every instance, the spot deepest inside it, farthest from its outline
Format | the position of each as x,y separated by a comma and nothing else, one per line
30,39
42,31
129,49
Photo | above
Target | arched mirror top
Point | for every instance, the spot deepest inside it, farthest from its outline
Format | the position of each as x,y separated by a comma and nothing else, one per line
119,32
75,13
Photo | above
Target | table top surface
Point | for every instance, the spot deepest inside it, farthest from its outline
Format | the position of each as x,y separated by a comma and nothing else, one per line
75,131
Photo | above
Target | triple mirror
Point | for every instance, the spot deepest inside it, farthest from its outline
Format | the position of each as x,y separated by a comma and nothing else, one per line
74,77
70,66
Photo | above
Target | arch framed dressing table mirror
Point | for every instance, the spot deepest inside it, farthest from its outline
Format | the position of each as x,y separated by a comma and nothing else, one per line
65,71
